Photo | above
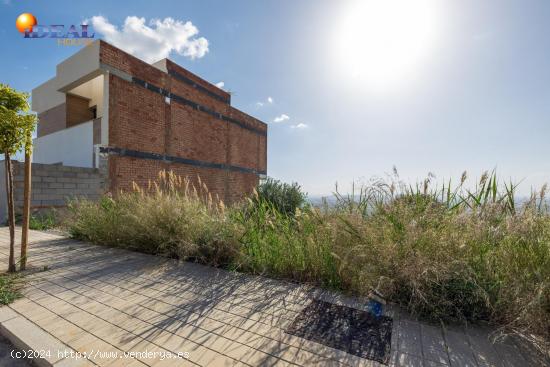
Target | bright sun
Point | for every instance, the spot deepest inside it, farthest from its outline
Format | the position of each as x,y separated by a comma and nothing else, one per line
381,43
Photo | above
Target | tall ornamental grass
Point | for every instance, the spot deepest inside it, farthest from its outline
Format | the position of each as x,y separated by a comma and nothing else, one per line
171,217
447,252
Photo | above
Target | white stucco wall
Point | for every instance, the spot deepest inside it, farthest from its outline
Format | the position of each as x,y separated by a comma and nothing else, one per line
71,147
82,66
47,96
92,89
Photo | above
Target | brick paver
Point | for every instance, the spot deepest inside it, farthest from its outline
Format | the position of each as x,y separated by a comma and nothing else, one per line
113,301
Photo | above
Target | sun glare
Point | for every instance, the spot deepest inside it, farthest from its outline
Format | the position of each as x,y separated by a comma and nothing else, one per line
381,43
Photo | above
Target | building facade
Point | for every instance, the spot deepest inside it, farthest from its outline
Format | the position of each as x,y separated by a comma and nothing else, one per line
111,111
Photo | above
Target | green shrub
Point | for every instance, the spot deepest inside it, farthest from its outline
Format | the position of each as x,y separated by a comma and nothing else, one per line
286,198
43,221
292,246
445,252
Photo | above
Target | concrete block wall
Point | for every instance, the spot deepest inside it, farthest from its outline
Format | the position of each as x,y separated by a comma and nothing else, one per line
52,185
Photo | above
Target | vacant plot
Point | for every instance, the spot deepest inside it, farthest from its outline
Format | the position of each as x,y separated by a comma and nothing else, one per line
447,253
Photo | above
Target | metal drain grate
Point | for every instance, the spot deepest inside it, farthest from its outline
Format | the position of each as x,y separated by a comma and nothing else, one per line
353,331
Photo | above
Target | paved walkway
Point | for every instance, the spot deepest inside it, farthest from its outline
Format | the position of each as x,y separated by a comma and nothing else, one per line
88,298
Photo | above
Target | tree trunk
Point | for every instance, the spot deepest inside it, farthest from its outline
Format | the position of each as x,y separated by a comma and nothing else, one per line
26,210
11,211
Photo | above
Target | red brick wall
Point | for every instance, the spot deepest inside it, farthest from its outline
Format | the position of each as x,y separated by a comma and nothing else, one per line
197,135
243,147
120,60
124,171
173,67
136,117
262,155
141,120
187,91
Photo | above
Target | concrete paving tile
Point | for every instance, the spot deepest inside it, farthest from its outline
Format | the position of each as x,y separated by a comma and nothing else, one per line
73,362
409,338
26,335
460,352
510,354
484,348
428,363
111,334
433,344
179,362
240,315
82,342
127,362
400,359
199,345
148,353
46,321
100,352
61,329
88,322
7,313
133,324
50,303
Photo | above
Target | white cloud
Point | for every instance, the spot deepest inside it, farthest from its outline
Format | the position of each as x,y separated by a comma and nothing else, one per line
281,118
269,100
220,85
154,40
299,126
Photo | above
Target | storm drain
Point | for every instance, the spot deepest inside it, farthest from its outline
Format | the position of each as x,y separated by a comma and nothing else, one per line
354,331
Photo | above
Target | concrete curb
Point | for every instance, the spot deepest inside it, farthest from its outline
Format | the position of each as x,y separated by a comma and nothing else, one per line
27,336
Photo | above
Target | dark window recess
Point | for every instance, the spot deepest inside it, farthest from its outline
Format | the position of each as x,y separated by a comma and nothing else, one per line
77,110
348,329
93,109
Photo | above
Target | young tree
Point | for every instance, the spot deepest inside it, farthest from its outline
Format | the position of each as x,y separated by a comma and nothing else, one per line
26,201
16,126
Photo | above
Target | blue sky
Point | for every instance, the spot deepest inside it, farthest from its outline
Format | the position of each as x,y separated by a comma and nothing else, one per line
476,97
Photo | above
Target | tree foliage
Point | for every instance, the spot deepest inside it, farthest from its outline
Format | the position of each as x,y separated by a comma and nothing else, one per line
286,198
16,123
16,127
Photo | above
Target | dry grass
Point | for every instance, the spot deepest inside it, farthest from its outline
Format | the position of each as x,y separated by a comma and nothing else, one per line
171,217
444,252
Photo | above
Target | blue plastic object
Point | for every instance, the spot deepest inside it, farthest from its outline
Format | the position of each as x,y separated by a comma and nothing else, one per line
375,308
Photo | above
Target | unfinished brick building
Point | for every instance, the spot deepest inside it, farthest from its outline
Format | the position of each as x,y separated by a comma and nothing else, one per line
130,119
